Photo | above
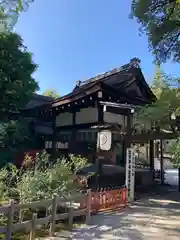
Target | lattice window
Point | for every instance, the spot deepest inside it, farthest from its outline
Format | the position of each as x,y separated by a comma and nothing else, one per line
48,144
86,136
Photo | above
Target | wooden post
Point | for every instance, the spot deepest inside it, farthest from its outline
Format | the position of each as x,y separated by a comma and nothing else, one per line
71,216
179,179
72,140
10,220
161,162
89,198
99,158
21,215
151,156
54,137
33,227
53,219
127,141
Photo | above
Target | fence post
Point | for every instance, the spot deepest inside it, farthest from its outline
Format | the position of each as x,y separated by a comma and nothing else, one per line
53,219
71,210
21,215
10,220
88,206
33,227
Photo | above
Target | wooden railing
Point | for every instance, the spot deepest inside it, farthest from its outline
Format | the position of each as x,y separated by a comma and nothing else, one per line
108,199
71,203
79,205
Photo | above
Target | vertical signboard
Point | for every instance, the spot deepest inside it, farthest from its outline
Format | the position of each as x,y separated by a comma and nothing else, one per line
130,173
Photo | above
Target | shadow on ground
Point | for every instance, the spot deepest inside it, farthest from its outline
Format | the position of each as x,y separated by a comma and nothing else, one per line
156,217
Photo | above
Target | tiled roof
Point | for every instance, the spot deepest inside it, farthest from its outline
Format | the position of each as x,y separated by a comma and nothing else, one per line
127,79
122,70
122,73
39,100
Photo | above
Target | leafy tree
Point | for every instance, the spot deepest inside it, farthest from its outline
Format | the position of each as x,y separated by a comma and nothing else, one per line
160,20
157,115
51,93
16,89
10,10
16,68
160,82
168,100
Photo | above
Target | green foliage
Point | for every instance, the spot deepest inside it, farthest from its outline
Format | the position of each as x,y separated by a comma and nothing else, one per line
14,136
51,93
160,82
160,20
77,162
158,113
168,100
7,176
14,133
16,68
9,12
16,89
40,180
175,151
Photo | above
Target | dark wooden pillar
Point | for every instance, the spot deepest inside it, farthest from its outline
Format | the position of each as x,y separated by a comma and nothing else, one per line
161,162
99,158
179,179
72,142
54,136
151,156
127,141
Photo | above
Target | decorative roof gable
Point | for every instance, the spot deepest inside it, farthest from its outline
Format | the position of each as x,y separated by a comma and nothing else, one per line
127,79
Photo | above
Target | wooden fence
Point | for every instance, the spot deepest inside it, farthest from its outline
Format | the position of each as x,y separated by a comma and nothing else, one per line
71,203
79,205
107,199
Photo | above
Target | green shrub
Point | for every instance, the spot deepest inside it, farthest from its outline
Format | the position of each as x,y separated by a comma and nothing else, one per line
39,179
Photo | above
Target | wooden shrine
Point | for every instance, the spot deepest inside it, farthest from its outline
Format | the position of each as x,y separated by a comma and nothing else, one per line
106,101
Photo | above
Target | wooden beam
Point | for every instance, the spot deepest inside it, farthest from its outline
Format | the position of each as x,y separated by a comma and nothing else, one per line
77,95
87,101
77,126
145,137
124,112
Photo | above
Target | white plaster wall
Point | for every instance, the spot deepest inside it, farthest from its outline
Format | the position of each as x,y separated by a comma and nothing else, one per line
114,118
64,119
87,115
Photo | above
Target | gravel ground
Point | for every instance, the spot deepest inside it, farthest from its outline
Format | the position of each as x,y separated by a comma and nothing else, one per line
156,217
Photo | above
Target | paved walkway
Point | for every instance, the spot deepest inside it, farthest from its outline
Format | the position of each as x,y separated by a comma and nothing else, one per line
157,217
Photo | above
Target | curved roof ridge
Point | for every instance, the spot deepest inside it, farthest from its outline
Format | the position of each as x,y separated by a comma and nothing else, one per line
134,62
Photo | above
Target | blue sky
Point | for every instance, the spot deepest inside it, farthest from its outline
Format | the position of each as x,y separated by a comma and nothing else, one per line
76,39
